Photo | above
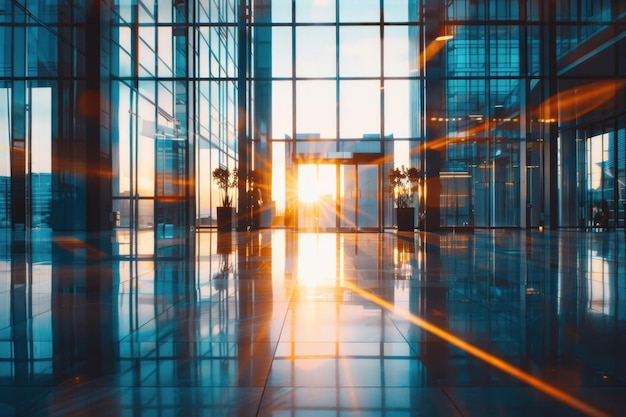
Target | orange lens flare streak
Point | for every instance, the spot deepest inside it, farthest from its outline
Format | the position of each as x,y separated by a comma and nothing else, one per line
481,354
575,102
71,243
428,53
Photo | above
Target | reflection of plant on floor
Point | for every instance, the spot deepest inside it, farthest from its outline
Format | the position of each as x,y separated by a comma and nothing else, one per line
224,247
221,275
403,259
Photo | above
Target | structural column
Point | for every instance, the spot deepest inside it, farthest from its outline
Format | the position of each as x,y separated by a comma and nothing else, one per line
433,67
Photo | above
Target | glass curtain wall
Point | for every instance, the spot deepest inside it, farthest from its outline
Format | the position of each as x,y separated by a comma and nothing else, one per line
151,102
344,82
591,116
216,69
176,114
353,77
481,115
55,142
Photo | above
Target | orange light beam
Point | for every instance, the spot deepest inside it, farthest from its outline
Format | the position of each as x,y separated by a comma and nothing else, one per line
71,243
428,53
578,101
482,355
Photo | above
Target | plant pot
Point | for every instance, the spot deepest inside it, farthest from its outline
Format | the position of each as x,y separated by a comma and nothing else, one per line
225,216
405,217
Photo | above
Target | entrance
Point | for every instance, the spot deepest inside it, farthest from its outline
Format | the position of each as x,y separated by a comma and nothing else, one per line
334,197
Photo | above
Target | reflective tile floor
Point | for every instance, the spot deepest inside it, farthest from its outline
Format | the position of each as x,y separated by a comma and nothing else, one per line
278,323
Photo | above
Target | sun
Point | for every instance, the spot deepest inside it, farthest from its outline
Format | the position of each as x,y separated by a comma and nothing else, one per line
308,184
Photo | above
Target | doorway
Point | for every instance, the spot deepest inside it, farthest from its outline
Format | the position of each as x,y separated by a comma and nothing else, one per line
338,197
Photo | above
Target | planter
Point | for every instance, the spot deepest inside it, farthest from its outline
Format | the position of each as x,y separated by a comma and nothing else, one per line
225,216
405,217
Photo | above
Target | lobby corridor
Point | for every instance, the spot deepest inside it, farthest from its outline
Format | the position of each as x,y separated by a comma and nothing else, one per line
280,323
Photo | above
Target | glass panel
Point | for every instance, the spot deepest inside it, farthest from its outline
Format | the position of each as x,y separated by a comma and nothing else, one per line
5,51
601,173
481,171
317,196
359,51
462,10
397,61
165,51
165,12
359,10
468,57
506,185
282,109
40,179
360,108
316,108
145,215
502,10
42,52
203,183
327,196
348,190
281,11
122,207
398,99
279,178
281,52
145,152
5,157
401,10
368,196
315,10
504,51
121,169
170,172
621,174
315,52
455,199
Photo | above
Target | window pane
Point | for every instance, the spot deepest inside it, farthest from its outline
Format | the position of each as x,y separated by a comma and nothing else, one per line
315,52
281,11
360,108
315,10
398,108
360,51
5,51
121,173
282,124
145,153
397,59
359,10
281,52
315,108
401,11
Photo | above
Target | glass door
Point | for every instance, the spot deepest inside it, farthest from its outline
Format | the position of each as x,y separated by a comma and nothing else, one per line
338,197
317,197
39,159
367,197
456,200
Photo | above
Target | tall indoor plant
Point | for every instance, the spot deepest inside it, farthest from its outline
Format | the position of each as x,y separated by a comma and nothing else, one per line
227,181
403,182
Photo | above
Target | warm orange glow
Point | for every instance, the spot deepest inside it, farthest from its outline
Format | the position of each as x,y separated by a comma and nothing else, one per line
443,38
70,244
481,354
575,102
428,53
89,103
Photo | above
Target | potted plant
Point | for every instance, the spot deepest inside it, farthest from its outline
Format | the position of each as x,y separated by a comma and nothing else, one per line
403,182
226,181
